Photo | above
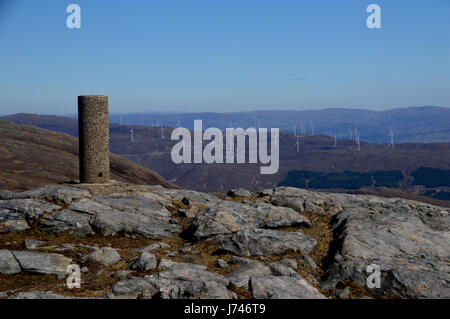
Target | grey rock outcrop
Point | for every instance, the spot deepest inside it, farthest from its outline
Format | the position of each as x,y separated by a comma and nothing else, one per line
241,276
239,192
69,222
116,222
282,287
41,295
332,203
263,242
145,261
413,257
17,215
8,263
249,268
177,281
307,261
62,194
106,256
178,195
140,215
290,262
408,240
42,263
231,217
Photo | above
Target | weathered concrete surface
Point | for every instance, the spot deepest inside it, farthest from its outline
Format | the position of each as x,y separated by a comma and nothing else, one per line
93,137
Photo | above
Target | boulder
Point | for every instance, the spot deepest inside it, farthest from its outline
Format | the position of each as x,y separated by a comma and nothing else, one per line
177,281
43,263
106,256
241,276
55,193
145,261
114,222
239,192
8,264
412,257
67,221
307,261
131,203
264,242
282,287
222,263
179,194
231,217
290,262
33,244
17,214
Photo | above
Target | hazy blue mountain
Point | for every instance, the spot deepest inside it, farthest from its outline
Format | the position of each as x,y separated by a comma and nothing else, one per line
412,124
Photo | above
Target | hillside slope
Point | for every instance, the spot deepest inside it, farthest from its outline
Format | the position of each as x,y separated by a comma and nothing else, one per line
31,156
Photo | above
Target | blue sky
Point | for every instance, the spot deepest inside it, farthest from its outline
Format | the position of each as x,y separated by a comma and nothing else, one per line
223,55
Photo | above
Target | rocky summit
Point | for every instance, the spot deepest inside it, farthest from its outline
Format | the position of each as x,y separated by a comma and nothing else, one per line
132,241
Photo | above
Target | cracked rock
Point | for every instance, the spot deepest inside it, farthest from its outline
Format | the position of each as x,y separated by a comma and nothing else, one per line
264,242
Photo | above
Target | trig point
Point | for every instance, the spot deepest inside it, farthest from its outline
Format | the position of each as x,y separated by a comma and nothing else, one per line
93,134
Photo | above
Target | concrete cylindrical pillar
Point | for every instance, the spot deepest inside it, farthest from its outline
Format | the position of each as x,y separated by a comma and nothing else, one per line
93,135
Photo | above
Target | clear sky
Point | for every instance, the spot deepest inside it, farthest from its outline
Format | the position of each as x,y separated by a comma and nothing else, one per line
223,55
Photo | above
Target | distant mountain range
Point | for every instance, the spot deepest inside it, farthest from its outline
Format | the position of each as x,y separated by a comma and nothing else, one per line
425,124
413,124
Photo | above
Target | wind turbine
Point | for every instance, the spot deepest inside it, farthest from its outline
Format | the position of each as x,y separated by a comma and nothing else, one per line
162,132
302,127
391,135
335,140
132,135
297,143
295,130
312,128
358,144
